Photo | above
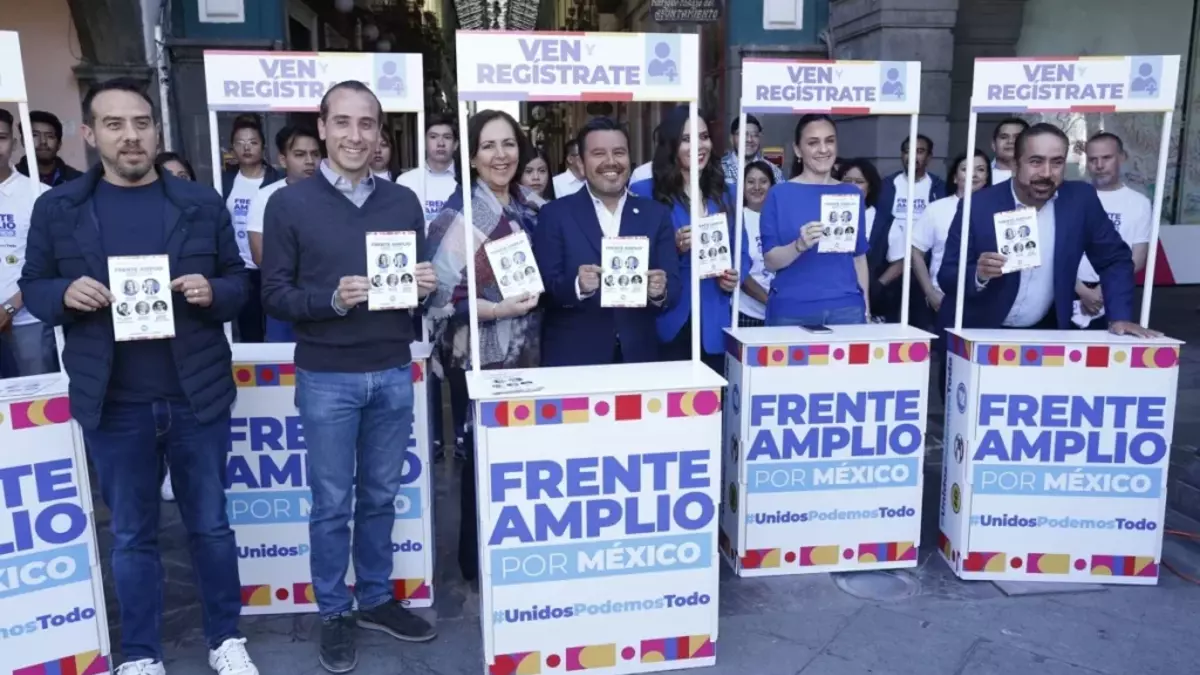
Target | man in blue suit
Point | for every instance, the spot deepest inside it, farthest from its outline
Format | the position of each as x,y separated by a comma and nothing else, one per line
577,331
1071,222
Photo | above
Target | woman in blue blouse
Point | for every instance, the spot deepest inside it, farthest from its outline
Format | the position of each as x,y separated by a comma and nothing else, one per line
672,186
810,286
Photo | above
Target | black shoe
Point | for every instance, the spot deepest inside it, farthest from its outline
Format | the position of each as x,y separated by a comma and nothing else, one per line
338,651
392,618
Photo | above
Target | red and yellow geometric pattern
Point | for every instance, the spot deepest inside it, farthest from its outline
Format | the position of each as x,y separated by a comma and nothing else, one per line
40,413
762,558
678,649
87,663
1124,566
585,409
1058,356
768,356
264,374
594,657
814,556
891,551
521,663
410,589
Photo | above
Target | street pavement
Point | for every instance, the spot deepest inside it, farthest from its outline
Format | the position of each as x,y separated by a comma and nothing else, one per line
920,622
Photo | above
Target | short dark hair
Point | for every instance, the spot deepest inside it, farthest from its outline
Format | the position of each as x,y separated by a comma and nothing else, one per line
869,173
599,124
126,84
47,118
1007,121
920,137
750,119
571,143
1039,129
164,157
349,85
1108,136
249,121
6,117
286,138
441,120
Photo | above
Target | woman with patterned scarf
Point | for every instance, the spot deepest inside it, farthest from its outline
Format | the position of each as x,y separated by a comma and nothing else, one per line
510,330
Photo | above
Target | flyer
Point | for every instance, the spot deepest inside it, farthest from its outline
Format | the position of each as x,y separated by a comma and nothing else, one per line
513,264
839,213
710,237
392,266
1017,239
143,309
625,261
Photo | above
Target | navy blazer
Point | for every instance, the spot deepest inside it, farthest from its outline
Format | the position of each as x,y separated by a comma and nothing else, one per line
1080,226
64,244
582,333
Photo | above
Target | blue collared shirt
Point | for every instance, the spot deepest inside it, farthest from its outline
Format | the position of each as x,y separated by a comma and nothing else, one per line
356,193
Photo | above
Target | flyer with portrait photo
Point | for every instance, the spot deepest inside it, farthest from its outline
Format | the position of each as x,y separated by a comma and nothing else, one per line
391,269
143,308
624,262
710,238
839,215
1017,239
513,264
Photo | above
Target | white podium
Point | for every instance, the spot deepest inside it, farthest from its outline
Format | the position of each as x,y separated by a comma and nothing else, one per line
1057,445
52,613
598,490
269,499
824,448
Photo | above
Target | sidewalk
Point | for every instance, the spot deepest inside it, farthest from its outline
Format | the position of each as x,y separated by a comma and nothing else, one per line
805,624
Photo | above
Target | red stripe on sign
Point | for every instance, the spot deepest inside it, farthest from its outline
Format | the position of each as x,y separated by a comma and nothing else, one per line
1093,108
850,111
1163,275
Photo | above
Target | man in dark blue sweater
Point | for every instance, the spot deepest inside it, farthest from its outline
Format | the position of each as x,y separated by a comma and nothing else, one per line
138,401
353,367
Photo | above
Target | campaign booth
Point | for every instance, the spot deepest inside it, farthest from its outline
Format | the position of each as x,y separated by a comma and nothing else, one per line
824,441
598,487
52,612
1057,443
267,481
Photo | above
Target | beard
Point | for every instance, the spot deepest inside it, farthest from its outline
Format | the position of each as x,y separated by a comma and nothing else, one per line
129,169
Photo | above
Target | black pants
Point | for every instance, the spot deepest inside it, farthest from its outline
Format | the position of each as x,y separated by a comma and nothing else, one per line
468,527
680,349
250,322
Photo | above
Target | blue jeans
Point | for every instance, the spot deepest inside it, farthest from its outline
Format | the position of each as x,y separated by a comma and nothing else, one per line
354,423
849,314
126,451
32,349
279,331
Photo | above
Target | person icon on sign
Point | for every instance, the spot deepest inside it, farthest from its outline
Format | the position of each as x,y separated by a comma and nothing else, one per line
1145,82
892,87
390,83
663,65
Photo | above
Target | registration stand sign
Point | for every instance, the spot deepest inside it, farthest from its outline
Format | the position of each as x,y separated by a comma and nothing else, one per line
1057,443
268,498
824,441
824,449
52,612
1057,449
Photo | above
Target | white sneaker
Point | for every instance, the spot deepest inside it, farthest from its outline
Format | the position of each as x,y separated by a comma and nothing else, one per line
142,667
168,490
231,658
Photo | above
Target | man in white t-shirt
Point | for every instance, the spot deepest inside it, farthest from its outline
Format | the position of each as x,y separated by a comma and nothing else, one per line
1004,141
299,154
29,342
441,142
1130,212
570,181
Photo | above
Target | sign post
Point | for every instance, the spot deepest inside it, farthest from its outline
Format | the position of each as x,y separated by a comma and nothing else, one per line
52,599
268,491
1058,442
823,469
598,486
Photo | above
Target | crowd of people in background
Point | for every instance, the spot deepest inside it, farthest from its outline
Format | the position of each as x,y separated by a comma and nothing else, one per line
273,251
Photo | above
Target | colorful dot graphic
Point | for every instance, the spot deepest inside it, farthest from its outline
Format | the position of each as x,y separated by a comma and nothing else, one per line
654,405
602,408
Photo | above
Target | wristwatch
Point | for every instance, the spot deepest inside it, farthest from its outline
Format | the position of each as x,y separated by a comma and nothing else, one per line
9,309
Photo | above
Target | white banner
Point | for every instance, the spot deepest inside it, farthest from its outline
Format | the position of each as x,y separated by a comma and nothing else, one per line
12,72
1075,83
833,87
296,81
498,65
